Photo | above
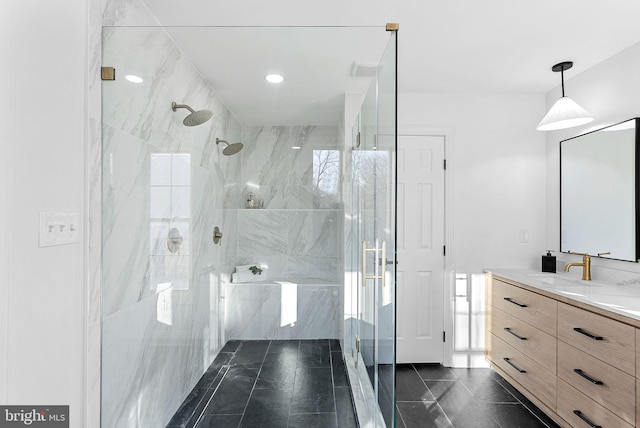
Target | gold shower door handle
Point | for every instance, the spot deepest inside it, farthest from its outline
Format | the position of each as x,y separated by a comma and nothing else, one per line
383,265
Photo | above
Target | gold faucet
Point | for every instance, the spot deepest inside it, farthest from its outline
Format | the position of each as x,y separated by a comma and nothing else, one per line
586,266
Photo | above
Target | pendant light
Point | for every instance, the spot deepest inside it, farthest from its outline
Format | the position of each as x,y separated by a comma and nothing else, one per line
565,113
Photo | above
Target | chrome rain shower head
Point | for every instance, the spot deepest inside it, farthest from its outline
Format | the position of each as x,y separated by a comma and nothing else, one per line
196,117
231,149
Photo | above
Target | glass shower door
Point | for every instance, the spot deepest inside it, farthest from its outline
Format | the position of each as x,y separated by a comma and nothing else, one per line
374,202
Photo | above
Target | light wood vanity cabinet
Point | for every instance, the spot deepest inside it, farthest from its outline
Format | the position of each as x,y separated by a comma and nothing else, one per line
637,377
603,383
602,337
521,339
532,308
577,366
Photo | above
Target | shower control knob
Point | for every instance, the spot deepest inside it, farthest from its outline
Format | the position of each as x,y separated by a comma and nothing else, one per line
217,235
174,240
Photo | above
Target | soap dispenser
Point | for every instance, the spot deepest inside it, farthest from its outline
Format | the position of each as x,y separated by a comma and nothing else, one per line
549,262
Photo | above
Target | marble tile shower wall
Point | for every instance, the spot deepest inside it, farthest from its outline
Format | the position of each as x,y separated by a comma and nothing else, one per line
297,232
161,317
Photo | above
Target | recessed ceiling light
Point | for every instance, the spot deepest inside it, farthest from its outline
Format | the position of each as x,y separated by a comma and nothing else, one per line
133,78
296,147
274,78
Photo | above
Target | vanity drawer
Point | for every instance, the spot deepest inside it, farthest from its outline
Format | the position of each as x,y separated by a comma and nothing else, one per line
638,356
524,337
610,341
531,375
571,400
616,389
535,309
637,402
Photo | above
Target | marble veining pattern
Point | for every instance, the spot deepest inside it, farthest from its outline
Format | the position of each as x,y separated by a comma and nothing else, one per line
291,178
284,310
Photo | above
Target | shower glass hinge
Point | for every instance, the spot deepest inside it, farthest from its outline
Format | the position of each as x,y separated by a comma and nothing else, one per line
392,26
357,344
108,73
357,141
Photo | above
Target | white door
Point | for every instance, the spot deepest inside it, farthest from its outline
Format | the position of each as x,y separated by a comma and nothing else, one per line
420,279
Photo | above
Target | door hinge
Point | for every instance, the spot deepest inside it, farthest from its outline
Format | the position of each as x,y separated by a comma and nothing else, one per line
444,336
444,164
444,250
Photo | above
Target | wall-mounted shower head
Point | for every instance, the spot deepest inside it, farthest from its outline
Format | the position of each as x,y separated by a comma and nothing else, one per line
196,117
231,149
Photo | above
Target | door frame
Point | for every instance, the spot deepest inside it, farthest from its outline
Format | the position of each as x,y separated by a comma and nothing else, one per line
449,271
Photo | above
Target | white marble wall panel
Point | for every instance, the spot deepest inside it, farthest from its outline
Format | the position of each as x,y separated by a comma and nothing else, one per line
312,268
287,178
125,215
295,244
94,234
262,233
313,233
282,311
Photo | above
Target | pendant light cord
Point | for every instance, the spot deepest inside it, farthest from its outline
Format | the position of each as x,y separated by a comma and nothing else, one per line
562,78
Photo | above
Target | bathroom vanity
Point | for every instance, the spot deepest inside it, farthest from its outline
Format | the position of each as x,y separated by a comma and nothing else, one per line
571,346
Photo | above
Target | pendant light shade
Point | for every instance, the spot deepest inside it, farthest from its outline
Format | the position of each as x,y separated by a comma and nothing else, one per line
565,113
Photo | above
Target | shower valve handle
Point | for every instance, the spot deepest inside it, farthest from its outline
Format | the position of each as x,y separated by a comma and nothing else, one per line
217,235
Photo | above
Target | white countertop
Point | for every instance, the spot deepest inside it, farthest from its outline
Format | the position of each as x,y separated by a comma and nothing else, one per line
622,299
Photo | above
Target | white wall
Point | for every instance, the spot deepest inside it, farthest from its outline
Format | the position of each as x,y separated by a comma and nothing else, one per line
610,91
496,165
42,164
6,183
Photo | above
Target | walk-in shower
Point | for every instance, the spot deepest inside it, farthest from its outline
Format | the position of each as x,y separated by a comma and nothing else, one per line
230,149
195,117
323,234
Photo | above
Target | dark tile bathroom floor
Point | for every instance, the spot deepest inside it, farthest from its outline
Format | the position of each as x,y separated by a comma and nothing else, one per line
435,396
271,384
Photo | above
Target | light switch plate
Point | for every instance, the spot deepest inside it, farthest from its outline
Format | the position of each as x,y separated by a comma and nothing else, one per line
59,228
523,236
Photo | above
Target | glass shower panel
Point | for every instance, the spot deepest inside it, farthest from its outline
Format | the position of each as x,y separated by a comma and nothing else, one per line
169,300
161,274
373,179
386,229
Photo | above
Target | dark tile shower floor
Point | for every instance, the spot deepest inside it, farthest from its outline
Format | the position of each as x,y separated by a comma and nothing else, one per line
303,383
271,384
435,396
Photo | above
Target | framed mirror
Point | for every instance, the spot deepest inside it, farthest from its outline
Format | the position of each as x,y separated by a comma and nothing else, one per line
599,192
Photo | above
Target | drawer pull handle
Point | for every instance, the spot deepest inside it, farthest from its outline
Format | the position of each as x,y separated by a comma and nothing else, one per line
579,414
587,377
510,300
508,330
589,335
508,360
